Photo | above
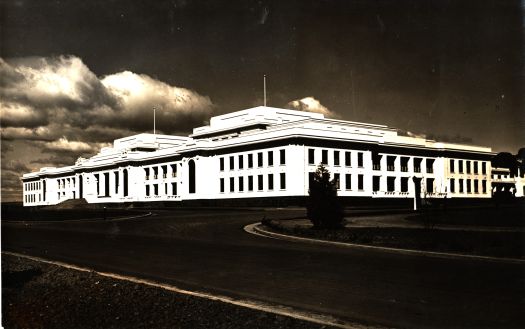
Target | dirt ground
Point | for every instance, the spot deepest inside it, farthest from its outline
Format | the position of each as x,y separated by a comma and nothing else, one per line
39,295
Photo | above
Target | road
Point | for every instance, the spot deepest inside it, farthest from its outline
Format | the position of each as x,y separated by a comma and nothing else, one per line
208,250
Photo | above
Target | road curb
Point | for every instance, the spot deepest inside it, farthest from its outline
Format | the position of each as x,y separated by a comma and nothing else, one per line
257,230
116,219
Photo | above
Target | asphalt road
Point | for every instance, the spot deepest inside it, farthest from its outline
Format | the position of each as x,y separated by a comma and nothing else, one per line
208,250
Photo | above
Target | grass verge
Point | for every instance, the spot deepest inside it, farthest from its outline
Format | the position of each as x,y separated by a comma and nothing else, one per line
482,243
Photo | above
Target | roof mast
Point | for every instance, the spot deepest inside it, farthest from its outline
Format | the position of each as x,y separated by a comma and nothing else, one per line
264,84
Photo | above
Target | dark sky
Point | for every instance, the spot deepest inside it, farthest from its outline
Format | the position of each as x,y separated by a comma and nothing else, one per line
452,70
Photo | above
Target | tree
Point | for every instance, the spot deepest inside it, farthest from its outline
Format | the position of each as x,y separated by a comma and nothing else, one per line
323,207
506,160
521,160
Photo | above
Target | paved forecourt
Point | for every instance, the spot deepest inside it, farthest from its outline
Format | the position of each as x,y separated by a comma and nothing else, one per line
208,251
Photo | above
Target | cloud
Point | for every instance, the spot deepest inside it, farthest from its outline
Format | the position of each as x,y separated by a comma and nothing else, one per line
14,165
64,145
58,109
40,90
310,104
137,95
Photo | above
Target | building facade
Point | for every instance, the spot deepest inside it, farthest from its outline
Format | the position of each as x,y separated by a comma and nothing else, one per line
267,153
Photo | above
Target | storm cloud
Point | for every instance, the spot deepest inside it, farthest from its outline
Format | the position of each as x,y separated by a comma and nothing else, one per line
56,109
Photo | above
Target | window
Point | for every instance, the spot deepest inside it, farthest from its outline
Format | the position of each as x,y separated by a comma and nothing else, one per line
232,163
348,181
259,159
430,185
484,186
475,167
282,179
404,164
164,171
147,190
460,162
116,181
232,184
430,166
475,183
173,170
173,188
348,159
222,185
155,172
259,182
166,188
156,189
452,163
270,182
390,184
192,177
241,184
250,183
404,184
360,159
98,183
337,178
146,170
270,158
360,182
390,163
461,184
221,160
324,157
336,158
250,160
241,162
282,156
468,167
311,176
417,164
311,156
376,183
452,186
483,167
469,186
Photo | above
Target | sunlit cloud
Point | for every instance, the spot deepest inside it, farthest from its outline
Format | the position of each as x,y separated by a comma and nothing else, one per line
310,104
59,109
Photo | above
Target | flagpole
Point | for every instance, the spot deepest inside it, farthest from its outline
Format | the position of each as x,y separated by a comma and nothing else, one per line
264,83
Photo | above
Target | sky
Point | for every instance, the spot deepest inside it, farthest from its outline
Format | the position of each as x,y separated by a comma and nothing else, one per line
75,75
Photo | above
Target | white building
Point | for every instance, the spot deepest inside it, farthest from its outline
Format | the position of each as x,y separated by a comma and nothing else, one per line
504,181
266,154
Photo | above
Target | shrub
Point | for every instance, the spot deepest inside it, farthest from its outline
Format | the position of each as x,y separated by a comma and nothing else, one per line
323,207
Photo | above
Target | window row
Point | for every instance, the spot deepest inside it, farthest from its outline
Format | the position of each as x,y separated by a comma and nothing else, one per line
470,166
32,198
238,185
33,186
347,183
468,184
163,169
154,189
391,183
70,182
403,163
313,158
259,157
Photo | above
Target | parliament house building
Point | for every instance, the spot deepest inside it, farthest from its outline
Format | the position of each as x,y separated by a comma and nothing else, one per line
267,155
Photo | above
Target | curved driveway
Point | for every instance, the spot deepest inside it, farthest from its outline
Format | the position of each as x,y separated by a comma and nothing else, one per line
207,250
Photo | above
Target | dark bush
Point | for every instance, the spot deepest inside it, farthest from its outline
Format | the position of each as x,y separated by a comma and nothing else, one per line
323,207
